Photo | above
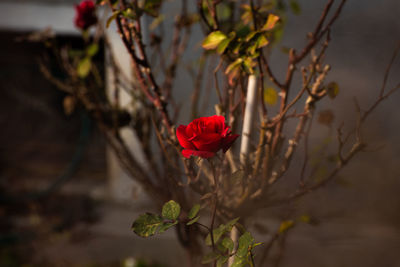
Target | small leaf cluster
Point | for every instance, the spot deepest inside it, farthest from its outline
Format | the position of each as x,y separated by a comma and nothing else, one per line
134,12
224,246
85,64
149,224
241,46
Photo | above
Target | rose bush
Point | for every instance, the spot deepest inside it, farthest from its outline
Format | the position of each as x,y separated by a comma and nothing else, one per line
205,136
85,15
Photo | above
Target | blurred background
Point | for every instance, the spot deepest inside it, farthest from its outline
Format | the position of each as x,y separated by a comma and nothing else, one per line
64,201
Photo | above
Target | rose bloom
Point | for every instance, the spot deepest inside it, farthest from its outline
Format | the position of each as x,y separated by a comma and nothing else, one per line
85,15
205,136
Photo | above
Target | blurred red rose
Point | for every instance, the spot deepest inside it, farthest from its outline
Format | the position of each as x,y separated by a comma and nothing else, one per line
85,15
205,136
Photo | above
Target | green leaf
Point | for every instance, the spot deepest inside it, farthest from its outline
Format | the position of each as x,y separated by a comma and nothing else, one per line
239,262
243,31
157,21
193,212
221,230
271,22
130,14
270,96
112,17
227,243
221,260
195,219
166,226
213,40
248,65
245,241
84,67
250,35
152,7
285,225
224,12
171,210
234,65
332,89
217,233
295,7
210,257
242,254
146,225
92,50
222,46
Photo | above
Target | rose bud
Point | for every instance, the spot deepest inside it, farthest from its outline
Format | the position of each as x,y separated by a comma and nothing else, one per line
85,15
205,136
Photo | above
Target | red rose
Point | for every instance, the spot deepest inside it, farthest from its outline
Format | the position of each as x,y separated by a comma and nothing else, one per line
205,136
85,15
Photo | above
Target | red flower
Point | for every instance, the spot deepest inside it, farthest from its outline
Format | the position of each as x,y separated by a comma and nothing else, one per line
85,15
205,136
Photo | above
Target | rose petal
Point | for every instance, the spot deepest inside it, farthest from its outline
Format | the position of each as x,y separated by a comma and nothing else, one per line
208,142
203,154
228,141
182,137
216,123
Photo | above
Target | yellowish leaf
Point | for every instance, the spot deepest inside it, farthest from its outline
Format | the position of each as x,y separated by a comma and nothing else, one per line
271,22
270,96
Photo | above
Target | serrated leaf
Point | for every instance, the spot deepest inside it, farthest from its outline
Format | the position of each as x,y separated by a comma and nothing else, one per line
332,89
221,230
271,22
231,223
112,17
270,96
227,243
210,257
217,233
165,226
245,241
239,262
221,260
285,225
84,67
245,245
193,211
195,219
213,40
171,210
92,50
146,225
